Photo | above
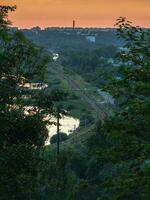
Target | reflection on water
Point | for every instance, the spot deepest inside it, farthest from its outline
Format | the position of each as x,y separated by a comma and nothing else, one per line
68,125
35,86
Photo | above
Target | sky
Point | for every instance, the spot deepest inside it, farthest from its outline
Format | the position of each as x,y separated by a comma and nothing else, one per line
86,13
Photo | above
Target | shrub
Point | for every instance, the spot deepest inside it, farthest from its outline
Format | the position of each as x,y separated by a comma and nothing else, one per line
63,137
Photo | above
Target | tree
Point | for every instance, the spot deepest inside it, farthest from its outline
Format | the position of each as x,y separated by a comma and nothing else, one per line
23,129
63,137
4,22
126,135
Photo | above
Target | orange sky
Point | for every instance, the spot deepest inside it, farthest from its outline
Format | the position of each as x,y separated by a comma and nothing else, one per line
87,13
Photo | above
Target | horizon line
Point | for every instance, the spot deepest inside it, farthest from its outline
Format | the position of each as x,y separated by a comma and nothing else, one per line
70,27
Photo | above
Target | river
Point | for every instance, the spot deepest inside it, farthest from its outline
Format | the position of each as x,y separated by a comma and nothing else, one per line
67,125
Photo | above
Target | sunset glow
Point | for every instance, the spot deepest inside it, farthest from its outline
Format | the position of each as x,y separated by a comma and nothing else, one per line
87,13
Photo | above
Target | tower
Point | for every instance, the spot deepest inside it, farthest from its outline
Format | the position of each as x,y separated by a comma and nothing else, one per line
74,24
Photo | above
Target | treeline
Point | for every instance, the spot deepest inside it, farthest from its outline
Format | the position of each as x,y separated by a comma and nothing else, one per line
60,39
23,112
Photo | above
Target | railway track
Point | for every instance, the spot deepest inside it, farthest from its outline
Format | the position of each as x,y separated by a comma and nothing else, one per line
101,113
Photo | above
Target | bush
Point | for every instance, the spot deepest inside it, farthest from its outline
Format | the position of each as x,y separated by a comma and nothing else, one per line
63,137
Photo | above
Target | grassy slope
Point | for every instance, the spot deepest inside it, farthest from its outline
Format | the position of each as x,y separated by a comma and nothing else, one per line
75,106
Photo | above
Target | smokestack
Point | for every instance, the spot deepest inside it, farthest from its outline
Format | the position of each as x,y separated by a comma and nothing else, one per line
74,24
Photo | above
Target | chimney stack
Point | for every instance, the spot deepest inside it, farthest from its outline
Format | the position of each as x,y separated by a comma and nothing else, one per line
74,23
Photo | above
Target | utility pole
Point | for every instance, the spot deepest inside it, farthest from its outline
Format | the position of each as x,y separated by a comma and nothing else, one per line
74,127
58,133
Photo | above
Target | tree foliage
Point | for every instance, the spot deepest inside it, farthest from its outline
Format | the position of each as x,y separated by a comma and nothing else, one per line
22,123
4,22
62,137
92,65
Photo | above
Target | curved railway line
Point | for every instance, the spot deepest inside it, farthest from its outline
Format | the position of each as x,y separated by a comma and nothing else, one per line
100,110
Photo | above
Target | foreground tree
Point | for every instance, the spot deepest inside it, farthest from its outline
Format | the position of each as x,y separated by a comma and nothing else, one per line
63,137
123,145
22,118
4,22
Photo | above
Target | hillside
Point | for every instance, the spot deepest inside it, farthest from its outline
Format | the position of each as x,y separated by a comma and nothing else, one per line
58,39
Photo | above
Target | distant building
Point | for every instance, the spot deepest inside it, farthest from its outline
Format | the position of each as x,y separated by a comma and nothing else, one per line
91,38
55,56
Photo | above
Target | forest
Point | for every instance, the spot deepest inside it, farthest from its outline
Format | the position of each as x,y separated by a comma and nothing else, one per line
111,160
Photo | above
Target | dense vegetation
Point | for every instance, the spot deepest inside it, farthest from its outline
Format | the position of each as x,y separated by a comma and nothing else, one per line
62,137
93,66
22,113
58,39
113,164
